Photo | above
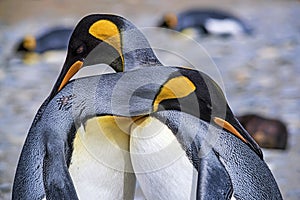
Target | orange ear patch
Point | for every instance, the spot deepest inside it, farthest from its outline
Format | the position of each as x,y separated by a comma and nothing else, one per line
29,43
171,20
108,32
223,123
174,88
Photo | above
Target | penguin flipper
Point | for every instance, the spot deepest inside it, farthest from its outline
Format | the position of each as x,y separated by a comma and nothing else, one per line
42,169
30,168
57,180
213,179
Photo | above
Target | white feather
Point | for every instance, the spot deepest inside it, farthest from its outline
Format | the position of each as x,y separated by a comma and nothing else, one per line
162,168
98,163
225,26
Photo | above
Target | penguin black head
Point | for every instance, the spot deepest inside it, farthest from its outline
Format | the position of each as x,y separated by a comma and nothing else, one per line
170,20
28,44
97,30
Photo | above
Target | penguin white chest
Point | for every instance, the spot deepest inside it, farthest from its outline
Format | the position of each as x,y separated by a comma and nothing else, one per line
101,165
100,161
162,168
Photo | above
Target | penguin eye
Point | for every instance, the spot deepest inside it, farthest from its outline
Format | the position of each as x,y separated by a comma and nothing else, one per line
80,49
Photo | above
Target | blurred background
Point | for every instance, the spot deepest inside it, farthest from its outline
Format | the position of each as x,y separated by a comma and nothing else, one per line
259,72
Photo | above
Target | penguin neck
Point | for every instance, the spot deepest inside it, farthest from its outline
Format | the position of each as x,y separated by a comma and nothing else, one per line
137,51
140,58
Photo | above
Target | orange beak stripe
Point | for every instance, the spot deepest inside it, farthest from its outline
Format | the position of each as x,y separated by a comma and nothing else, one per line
71,72
223,123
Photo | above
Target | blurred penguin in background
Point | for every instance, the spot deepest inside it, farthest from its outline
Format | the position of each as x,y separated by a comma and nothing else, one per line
53,39
206,22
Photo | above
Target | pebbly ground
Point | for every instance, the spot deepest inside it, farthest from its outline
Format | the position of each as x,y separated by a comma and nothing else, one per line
260,74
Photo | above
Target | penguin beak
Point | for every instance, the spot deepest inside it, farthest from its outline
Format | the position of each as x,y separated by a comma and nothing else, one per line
66,74
70,73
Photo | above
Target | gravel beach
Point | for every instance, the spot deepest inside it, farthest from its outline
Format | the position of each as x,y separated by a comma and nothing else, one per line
259,73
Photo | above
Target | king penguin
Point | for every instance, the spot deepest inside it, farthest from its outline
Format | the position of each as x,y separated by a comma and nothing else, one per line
55,38
163,100
206,22
115,41
52,39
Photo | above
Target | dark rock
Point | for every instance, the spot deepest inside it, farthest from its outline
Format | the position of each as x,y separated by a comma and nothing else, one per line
268,133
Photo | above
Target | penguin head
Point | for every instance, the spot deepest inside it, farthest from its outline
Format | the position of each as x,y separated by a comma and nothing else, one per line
28,44
96,39
170,20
